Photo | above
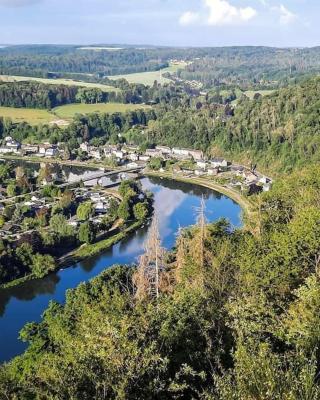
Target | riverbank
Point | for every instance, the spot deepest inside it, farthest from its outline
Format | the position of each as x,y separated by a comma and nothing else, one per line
250,217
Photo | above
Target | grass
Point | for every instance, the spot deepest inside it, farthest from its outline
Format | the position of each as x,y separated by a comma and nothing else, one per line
70,110
251,93
148,78
29,115
67,82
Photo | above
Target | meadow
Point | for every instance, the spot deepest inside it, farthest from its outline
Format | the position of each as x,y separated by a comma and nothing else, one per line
70,110
148,78
67,82
29,115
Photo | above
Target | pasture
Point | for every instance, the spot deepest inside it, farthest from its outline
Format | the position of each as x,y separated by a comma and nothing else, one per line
70,110
67,82
29,115
148,78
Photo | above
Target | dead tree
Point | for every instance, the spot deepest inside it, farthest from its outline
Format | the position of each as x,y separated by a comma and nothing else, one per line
149,275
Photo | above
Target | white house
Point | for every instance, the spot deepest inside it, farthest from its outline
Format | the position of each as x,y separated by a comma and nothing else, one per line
201,164
217,162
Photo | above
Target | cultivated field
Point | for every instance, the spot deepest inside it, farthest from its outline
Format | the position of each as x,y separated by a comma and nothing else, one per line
148,78
68,82
29,115
70,110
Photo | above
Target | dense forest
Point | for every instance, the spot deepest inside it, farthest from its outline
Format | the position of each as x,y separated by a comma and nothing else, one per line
245,67
47,96
253,67
45,61
236,317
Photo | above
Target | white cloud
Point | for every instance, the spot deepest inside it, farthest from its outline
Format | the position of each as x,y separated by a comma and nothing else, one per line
286,16
189,18
217,13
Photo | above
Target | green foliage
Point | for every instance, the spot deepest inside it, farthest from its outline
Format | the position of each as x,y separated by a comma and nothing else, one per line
42,265
87,233
85,211
140,211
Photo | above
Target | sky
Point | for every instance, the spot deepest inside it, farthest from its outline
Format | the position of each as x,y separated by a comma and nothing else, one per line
280,23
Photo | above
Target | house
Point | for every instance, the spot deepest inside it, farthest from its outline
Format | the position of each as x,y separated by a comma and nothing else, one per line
183,153
85,147
213,171
51,152
219,162
101,207
119,154
144,158
164,150
133,157
196,154
199,172
153,153
30,149
249,176
95,153
264,180
201,164
6,150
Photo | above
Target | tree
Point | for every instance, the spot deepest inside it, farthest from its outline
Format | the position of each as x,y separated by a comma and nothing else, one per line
85,211
12,190
87,233
42,265
140,211
124,209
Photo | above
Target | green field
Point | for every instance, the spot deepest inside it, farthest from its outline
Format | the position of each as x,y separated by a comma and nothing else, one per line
32,116
251,93
70,110
67,82
148,78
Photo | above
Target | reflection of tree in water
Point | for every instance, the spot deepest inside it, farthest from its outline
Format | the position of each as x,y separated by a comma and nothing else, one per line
188,188
29,290
138,237
89,264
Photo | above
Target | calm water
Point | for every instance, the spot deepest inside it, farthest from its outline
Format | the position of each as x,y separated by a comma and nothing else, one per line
175,205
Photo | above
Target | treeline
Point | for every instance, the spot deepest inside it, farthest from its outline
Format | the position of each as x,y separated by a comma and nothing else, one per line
39,61
36,95
47,96
253,67
236,316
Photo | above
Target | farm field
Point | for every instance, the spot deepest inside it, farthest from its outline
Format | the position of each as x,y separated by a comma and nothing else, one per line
29,115
68,82
148,78
70,110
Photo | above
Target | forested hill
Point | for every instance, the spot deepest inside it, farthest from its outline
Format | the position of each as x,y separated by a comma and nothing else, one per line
282,128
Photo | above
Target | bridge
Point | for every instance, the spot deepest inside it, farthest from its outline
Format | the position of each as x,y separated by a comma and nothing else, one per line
97,175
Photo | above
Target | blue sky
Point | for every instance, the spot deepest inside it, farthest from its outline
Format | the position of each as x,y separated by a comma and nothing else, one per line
162,22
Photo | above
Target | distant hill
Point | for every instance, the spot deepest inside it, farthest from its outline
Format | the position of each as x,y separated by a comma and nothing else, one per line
281,129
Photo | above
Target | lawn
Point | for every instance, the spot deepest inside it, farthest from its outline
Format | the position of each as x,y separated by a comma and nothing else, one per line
148,78
70,110
67,82
30,115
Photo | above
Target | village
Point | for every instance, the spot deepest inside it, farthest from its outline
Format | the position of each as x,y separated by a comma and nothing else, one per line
180,161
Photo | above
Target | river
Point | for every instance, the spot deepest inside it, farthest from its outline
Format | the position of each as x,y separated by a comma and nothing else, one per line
175,204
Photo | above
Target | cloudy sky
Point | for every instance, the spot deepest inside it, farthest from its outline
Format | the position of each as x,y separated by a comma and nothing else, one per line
162,22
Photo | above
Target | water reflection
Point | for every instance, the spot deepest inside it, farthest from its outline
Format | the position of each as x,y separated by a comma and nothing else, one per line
175,204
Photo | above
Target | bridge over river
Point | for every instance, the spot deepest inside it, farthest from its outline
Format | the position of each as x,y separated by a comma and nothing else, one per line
96,176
